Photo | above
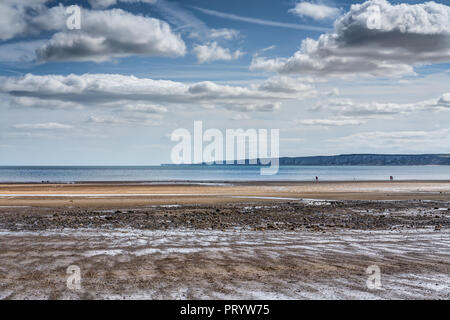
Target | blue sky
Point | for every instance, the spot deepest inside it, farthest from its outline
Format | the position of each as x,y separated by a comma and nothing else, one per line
253,37
113,91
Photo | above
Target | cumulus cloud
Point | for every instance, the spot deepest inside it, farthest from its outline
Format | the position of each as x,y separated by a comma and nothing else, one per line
262,63
315,11
212,52
148,95
373,38
444,101
11,21
104,34
112,33
107,34
29,18
43,126
14,17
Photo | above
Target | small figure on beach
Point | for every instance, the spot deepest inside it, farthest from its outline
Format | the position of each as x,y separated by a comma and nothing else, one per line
317,178
391,178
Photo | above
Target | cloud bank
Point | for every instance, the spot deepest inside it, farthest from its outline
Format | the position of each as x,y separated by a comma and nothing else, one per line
148,95
43,126
348,107
373,38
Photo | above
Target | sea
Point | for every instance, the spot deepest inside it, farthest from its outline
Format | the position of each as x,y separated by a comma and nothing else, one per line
71,174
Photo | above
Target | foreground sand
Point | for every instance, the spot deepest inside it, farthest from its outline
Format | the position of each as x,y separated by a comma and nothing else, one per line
233,240
188,264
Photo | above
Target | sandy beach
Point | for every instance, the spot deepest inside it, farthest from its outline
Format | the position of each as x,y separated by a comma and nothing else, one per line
192,240
143,193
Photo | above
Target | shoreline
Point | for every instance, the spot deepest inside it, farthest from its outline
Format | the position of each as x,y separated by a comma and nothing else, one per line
240,182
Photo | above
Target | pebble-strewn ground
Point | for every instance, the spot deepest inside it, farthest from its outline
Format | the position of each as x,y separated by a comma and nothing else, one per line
295,215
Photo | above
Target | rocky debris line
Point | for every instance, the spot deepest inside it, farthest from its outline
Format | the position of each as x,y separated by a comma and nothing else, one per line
334,215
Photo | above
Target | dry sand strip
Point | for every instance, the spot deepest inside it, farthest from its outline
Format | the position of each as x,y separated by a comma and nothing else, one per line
141,194
204,264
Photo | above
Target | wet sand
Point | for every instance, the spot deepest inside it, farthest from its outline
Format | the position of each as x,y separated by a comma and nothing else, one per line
226,241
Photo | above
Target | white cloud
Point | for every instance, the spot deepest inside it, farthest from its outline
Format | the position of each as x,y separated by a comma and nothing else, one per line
348,107
11,21
43,126
104,34
212,52
13,16
108,90
285,84
224,33
103,120
33,102
273,65
108,34
315,11
444,101
240,117
417,141
112,33
145,108
373,38
269,107
330,122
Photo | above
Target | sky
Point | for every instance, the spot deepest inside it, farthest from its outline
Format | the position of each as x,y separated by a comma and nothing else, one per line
334,76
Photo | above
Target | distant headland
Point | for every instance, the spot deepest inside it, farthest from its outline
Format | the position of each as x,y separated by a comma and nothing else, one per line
357,160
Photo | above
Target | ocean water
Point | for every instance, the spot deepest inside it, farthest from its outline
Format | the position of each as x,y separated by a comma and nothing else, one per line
214,173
